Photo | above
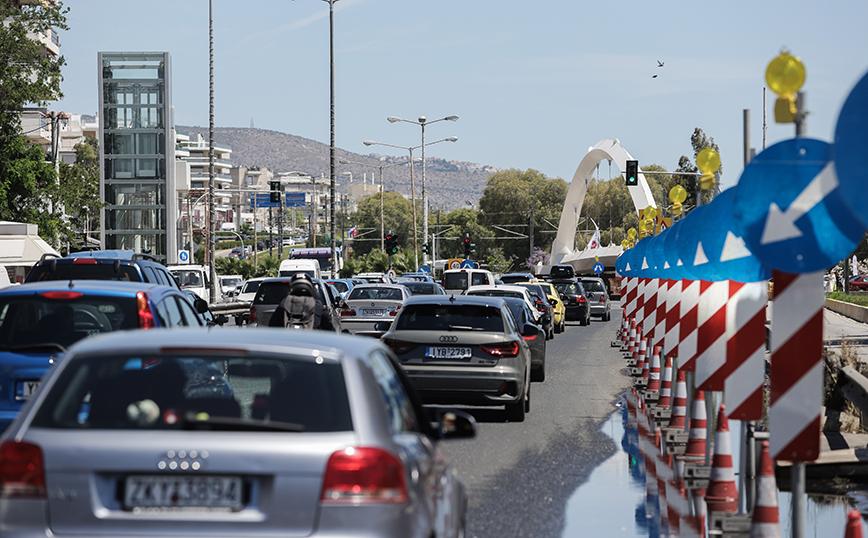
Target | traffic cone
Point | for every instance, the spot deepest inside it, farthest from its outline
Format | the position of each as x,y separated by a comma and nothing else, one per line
666,385
631,340
639,353
654,371
722,494
698,422
765,523
678,419
699,511
854,525
646,367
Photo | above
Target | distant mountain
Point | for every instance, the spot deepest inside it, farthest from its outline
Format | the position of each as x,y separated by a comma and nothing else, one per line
450,184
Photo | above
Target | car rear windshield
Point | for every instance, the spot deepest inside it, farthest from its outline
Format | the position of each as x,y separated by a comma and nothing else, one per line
83,271
420,288
498,293
339,285
62,318
230,392
274,292
593,285
251,286
450,317
567,288
376,294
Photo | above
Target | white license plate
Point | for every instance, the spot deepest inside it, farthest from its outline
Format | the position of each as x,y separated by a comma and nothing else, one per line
25,388
448,352
372,312
183,491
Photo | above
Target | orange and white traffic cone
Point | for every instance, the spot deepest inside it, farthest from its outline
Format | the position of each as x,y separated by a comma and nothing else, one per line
854,525
631,340
666,385
654,371
678,419
765,522
722,494
699,511
698,421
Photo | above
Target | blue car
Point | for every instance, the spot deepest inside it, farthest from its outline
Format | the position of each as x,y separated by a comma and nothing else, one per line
40,320
344,285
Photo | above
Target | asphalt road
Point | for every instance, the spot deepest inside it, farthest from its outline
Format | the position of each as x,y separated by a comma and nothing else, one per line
520,475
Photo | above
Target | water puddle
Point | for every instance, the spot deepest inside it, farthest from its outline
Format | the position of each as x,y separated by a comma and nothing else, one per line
615,501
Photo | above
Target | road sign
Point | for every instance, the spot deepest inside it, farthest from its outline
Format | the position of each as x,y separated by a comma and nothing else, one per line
468,264
850,142
295,199
455,263
792,212
183,256
425,269
262,200
598,268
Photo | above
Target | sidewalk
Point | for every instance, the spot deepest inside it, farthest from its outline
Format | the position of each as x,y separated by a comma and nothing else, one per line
837,328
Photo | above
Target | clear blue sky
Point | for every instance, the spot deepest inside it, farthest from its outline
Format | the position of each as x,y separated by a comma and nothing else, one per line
534,83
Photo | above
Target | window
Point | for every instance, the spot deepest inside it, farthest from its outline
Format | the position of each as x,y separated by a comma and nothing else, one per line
191,318
169,313
478,279
402,417
435,317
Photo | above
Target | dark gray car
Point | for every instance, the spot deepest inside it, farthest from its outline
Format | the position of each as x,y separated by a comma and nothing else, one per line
598,298
272,291
536,342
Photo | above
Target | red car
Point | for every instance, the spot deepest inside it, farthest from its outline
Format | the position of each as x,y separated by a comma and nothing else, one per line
859,282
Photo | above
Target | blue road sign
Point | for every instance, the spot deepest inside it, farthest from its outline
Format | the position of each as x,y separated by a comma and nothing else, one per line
262,200
687,244
598,268
791,209
295,199
425,269
468,264
851,138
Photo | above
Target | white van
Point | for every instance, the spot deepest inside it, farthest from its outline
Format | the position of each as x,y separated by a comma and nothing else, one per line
456,281
195,278
302,265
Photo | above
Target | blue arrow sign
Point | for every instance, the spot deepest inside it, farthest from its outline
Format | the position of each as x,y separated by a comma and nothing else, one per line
687,245
851,139
468,264
598,268
791,208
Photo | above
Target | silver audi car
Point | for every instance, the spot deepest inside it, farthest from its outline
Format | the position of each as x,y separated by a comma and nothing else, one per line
229,433
461,349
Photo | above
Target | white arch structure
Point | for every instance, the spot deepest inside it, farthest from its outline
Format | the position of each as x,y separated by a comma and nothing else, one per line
564,246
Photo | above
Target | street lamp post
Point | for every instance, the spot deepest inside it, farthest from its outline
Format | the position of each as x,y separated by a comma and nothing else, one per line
423,121
412,185
332,166
382,213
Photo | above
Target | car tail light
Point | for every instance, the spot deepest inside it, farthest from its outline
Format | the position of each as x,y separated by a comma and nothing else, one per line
395,311
251,318
399,347
603,298
580,299
361,475
146,317
348,312
506,349
61,295
22,473
85,261
531,337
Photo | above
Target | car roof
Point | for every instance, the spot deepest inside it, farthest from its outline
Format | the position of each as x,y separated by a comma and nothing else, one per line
504,287
116,287
454,299
311,343
113,254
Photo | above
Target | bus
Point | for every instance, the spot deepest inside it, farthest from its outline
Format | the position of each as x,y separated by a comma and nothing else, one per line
324,256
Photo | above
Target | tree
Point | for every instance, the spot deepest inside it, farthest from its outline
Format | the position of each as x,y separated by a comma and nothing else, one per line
28,75
699,141
465,222
27,187
78,191
511,196
398,217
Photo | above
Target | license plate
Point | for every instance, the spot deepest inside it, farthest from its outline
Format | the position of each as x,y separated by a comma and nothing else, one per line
448,352
372,312
25,388
221,492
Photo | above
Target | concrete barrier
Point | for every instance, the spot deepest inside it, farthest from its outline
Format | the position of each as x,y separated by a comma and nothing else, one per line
853,311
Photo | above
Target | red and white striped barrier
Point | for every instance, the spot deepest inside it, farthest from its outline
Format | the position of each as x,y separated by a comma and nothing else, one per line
688,327
796,366
660,313
722,494
673,319
765,522
745,351
711,335
650,307
629,298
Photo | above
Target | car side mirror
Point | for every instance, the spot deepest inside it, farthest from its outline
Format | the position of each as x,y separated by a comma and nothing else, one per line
455,424
529,329
221,319
554,302
200,305
546,318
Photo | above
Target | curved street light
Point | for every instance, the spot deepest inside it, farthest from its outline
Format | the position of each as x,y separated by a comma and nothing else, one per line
423,122
413,184
382,217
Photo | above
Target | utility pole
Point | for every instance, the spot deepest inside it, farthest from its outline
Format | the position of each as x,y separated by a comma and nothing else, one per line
530,233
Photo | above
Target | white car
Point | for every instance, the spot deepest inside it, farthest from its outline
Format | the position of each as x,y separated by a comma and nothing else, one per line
508,291
230,284
246,294
369,304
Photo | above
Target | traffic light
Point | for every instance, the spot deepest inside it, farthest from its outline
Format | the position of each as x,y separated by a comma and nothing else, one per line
391,243
469,248
275,192
425,248
632,173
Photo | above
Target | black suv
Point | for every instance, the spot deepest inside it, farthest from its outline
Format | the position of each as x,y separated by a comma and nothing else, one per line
124,265
575,300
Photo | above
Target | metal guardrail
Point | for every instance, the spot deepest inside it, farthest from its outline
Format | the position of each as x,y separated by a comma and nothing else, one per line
855,387
231,308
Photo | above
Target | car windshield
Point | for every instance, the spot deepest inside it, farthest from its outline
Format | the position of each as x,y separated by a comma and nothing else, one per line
189,278
450,317
87,270
197,391
251,286
61,318
230,282
381,294
567,288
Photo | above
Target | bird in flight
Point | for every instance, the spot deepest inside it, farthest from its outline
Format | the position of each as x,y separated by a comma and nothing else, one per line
653,76
659,63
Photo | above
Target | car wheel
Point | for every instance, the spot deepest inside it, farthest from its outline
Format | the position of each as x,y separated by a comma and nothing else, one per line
538,375
516,411
564,325
608,316
239,320
584,321
527,400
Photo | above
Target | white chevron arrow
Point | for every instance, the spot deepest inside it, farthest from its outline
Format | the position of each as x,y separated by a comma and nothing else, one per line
781,225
